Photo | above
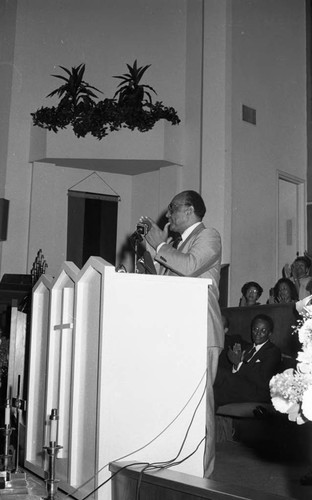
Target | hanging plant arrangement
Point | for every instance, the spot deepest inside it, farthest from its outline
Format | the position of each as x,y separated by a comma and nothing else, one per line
131,107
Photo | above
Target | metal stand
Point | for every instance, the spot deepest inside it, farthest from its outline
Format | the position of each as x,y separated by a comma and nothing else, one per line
11,481
136,241
52,450
20,406
6,431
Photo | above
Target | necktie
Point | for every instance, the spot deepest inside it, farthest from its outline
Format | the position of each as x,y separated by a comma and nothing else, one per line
176,242
249,354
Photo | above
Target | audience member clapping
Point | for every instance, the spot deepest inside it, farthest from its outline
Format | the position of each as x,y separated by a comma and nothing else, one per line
299,273
283,292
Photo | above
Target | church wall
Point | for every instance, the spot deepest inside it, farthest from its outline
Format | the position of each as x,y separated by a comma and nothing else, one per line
152,192
48,221
269,75
54,33
241,52
7,34
193,96
216,114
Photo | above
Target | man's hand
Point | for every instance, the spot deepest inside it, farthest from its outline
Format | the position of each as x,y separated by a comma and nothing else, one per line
294,272
155,235
309,286
287,271
235,355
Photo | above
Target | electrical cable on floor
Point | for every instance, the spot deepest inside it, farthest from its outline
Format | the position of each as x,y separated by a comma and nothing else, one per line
111,477
173,464
169,463
149,443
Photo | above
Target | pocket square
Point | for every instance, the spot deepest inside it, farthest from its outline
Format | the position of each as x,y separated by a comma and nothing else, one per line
258,360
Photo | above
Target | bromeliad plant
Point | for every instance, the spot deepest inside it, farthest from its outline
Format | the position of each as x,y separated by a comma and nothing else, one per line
75,92
131,92
131,107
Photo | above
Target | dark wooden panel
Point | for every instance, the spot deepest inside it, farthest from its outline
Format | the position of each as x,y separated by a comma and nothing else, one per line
171,485
284,317
4,216
224,285
309,224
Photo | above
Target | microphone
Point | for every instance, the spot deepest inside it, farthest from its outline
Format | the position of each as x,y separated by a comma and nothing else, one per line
142,229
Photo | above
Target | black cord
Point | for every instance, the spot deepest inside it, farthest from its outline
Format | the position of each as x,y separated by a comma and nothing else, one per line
138,486
161,464
168,466
173,462
111,477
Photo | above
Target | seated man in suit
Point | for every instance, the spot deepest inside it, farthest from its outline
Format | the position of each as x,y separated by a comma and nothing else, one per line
252,369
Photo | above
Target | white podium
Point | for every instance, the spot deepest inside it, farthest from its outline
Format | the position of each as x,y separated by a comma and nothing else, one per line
122,357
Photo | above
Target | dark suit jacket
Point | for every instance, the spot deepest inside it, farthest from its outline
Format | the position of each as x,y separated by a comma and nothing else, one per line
199,256
251,382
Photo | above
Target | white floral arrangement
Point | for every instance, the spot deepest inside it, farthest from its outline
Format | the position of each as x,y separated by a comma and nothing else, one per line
291,391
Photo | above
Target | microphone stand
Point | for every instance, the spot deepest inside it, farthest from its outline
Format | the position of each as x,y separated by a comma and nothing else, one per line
135,239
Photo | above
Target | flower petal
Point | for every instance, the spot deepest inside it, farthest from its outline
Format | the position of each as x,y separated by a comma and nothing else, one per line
307,403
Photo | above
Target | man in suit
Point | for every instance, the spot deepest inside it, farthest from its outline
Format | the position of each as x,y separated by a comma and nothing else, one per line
252,369
197,255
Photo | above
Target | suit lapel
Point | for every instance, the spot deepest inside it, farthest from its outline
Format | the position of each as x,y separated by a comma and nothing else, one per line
166,270
197,230
259,353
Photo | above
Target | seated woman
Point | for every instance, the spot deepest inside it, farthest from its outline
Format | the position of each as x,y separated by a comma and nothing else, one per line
251,292
283,292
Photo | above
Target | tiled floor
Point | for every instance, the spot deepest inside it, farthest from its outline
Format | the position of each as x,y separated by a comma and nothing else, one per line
35,489
269,455
238,464
273,465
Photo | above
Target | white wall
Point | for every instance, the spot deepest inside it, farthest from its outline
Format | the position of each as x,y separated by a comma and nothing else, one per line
48,221
269,75
7,34
242,52
105,36
216,175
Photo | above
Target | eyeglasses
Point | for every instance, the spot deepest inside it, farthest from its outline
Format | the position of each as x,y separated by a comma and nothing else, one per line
262,331
174,207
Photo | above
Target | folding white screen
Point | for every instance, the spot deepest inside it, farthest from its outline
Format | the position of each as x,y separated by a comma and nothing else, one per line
123,358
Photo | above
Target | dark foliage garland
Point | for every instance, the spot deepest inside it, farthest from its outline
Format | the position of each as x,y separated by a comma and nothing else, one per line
78,108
